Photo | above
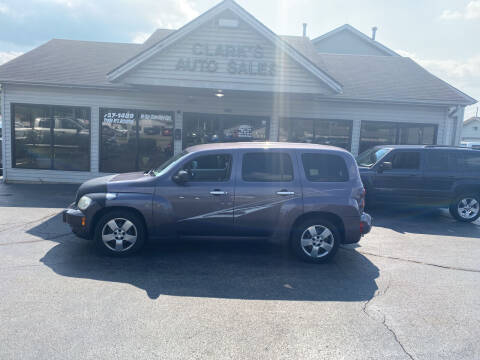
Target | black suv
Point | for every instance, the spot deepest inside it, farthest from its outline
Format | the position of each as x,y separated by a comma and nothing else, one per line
439,176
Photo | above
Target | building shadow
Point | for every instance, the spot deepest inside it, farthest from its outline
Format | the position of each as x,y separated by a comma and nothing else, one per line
37,195
422,220
227,269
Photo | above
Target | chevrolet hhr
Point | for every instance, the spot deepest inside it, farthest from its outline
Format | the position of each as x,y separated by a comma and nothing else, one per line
308,196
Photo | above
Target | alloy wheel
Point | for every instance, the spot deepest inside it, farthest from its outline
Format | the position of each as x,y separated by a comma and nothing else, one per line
468,208
119,234
317,241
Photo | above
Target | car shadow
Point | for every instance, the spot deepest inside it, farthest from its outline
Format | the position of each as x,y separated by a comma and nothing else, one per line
422,220
219,269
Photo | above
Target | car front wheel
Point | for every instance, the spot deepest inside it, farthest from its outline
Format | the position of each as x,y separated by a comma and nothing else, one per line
119,233
315,240
466,208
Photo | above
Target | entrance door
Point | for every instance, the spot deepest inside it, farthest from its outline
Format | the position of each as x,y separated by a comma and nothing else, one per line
214,128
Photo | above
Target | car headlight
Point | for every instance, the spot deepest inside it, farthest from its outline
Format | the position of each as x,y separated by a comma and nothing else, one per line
84,203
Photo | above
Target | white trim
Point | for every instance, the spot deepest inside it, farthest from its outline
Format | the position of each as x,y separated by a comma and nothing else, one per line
360,35
245,16
4,146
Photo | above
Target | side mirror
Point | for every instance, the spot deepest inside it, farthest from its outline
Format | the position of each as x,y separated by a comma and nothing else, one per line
182,177
385,166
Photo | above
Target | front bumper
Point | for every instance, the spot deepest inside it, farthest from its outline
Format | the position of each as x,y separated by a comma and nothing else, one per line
365,224
77,221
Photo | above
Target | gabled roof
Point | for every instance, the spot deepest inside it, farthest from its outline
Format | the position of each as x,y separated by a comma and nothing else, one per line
231,5
381,78
359,35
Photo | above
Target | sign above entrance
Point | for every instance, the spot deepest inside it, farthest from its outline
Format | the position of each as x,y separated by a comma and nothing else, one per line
231,59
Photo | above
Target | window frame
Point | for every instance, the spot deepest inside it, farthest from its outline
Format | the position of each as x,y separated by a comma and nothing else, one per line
307,177
267,153
290,122
397,126
136,128
50,113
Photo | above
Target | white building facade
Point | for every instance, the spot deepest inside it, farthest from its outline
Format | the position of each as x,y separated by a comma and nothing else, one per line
74,110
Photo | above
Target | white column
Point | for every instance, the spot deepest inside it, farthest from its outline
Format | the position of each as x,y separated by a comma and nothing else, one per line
460,117
177,144
95,140
5,133
274,128
357,125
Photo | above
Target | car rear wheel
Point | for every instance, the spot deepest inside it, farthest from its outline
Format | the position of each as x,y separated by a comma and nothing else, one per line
119,233
466,208
315,240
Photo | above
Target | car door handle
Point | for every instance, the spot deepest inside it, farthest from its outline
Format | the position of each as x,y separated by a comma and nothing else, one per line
218,192
285,192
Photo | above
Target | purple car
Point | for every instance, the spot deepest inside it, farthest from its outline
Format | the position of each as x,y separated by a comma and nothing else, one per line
308,196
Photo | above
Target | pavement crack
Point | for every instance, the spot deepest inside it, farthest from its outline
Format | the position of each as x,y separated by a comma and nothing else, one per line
414,261
384,321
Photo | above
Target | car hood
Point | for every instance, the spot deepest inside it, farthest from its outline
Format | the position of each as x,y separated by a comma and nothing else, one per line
136,182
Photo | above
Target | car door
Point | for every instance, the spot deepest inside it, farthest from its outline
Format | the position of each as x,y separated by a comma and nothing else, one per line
267,183
403,182
439,176
203,205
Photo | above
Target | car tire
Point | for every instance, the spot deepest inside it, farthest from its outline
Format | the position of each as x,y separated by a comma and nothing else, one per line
310,243
119,233
466,208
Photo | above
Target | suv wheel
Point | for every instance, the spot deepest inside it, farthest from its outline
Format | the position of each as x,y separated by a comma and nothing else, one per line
315,240
466,208
119,233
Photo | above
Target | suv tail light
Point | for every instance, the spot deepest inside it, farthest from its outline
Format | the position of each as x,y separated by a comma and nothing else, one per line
361,203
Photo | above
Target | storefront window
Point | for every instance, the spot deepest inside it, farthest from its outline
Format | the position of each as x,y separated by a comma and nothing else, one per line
134,140
206,128
375,133
51,137
316,131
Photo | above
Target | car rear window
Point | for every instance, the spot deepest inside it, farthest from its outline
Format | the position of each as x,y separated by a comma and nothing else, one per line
267,167
324,167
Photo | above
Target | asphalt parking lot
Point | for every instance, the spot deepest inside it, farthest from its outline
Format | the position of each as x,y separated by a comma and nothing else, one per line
409,290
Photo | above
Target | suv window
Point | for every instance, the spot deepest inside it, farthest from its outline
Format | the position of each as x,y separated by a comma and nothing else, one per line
406,160
324,167
440,161
264,166
471,161
210,168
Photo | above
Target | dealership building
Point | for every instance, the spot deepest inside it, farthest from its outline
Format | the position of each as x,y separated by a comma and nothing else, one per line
73,110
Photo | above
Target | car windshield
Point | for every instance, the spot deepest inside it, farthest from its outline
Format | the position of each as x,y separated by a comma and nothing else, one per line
167,165
370,157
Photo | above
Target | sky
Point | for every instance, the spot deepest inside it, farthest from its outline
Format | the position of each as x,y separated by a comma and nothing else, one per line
441,35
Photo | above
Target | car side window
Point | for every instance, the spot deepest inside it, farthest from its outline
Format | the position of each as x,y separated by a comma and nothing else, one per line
267,167
471,161
210,168
440,161
324,167
406,160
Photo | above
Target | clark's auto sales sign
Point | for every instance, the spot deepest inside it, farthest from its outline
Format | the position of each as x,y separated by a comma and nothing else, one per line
231,59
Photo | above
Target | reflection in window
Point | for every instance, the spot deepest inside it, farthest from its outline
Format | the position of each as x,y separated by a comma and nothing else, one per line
51,137
210,168
267,167
134,140
317,131
205,128
375,133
